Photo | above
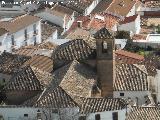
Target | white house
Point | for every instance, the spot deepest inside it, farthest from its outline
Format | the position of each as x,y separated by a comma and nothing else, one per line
132,83
23,30
59,15
103,109
131,24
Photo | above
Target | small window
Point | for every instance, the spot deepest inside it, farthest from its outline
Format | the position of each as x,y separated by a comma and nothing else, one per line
115,115
54,111
25,115
12,39
97,117
104,47
25,34
0,43
4,80
121,94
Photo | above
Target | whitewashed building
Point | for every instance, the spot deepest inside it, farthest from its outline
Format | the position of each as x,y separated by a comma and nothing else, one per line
103,109
59,15
131,24
21,31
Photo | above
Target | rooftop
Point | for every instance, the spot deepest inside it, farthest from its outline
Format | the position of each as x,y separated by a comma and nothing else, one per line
19,23
144,113
120,7
92,105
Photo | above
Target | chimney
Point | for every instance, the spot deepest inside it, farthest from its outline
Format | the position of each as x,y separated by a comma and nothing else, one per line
105,61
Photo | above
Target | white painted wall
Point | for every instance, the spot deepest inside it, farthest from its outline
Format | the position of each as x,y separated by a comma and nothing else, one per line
17,113
133,94
107,115
133,27
122,42
60,41
132,11
2,39
19,37
89,9
157,85
51,18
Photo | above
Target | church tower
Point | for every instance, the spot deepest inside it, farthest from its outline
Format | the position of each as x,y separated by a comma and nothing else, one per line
105,61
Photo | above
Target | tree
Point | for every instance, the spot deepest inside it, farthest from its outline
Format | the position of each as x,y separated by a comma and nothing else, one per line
122,35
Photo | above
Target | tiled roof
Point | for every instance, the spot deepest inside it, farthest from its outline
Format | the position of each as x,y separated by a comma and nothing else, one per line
47,30
60,10
152,63
92,105
56,98
41,62
76,79
152,3
102,6
103,33
144,113
10,63
19,23
32,50
73,50
129,19
128,57
130,77
29,79
121,7
79,5
2,31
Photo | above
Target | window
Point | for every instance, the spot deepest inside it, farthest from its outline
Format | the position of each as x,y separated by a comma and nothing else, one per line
34,29
97,117
25,115
25,34
35,40
12,39
115,115
104,47
121,94
0,43
4,80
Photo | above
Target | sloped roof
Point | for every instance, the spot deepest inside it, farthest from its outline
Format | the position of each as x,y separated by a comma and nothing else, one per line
79,5
76,79
73,50
2,31
92,105
130,77
28,79
41,62
128,57
129,19
56,98
121,7
103,33
102,6
19,23
144,113
10,63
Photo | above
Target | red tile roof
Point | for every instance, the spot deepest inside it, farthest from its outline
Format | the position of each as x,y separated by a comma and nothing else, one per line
128,57
129,19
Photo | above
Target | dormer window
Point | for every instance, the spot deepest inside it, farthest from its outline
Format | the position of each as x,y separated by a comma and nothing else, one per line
79,24
104,47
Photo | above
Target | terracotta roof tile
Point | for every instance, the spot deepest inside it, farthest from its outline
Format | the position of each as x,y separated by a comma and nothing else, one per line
41,62
120,7
144,113
129,19
10,63
128,57
56,98
2,31
93,105
19,23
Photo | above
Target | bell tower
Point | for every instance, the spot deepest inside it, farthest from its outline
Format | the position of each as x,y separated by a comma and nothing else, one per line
105,61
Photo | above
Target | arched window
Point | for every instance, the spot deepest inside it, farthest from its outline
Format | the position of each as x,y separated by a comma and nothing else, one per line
104,47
